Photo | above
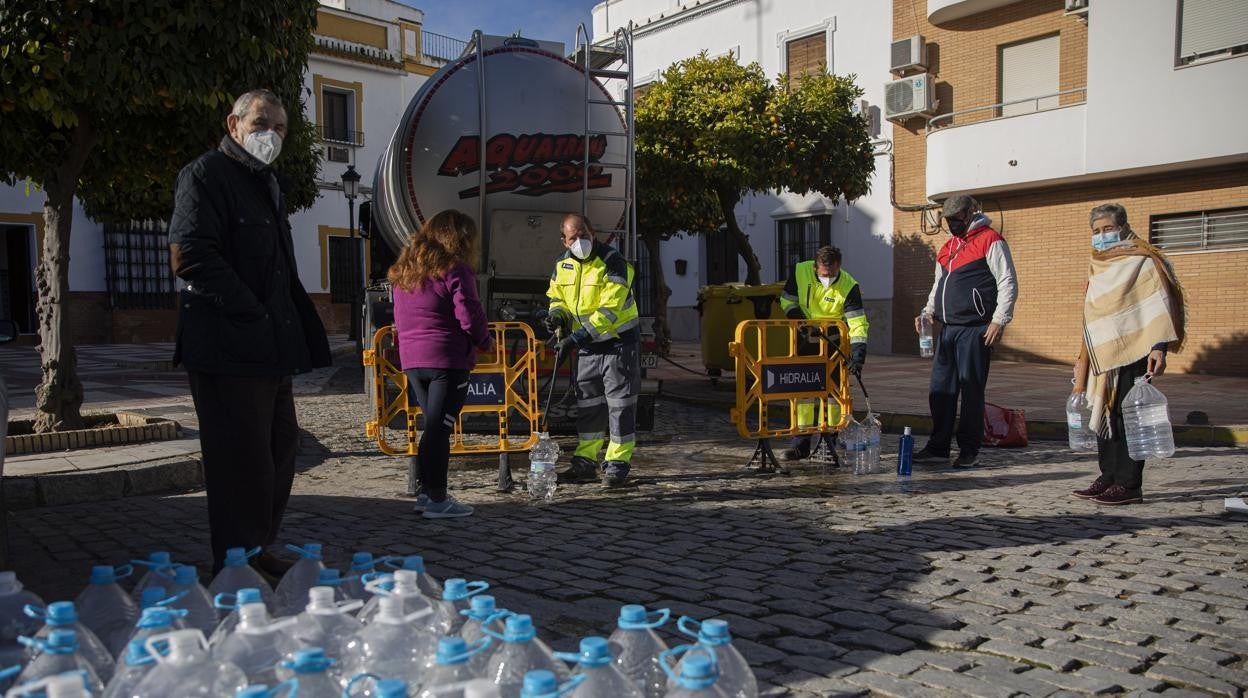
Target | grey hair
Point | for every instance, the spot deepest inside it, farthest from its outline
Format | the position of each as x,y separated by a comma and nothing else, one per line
243,103
1115,212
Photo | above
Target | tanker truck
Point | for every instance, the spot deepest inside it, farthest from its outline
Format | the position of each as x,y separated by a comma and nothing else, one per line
553,140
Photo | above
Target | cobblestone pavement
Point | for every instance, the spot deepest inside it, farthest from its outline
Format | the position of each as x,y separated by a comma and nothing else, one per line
993,582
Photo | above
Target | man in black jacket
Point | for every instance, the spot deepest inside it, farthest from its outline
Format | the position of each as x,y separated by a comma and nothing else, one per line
245,326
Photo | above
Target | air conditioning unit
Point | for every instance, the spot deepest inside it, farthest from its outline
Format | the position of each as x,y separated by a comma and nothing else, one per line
908,54
862,107
908,97
1077,7
337,153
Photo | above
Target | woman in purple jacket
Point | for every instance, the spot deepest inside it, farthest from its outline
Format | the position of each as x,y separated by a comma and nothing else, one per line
441,326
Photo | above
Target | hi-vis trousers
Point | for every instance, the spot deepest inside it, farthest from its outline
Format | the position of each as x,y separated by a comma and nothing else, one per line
607,383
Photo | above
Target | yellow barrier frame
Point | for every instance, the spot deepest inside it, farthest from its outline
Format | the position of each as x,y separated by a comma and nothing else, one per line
753,362
524,368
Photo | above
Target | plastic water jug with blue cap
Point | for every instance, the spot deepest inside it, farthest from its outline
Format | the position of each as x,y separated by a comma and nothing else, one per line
228,604
483,611
311,677
520,653
13,619
187,669
699,673
451,664
157,571
367,685
236,573
327,623
363,564
636,648
429,585
105,608
134,664
291,594
156,595
603,679
62,615
58,653
257,644
156,620
71,684
403,585
395,644
545,684
456,596
200,613
736,679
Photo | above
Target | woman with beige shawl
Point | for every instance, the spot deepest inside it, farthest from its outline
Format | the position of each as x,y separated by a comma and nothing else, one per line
1132,314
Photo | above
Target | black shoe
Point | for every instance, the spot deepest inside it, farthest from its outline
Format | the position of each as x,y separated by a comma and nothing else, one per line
615,473
965,460
926,456
580,470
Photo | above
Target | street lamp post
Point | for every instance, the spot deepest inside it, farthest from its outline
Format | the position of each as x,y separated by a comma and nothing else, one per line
351,189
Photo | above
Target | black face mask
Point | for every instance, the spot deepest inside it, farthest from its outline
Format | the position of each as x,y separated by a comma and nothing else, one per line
957,226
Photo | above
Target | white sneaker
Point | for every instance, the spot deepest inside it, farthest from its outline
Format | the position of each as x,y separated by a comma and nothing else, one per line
422,501
446,509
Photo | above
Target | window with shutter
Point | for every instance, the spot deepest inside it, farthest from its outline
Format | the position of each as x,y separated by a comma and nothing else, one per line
808,54
797,239
1211,28
1029,69
334,112
1200,230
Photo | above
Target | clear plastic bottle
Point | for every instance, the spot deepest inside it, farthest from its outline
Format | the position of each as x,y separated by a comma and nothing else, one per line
229,604
429,585
200,613
68,685
285,689
135,664
292,592
403,585
105,608
927,343
451,664
874,432
482,612
310,667
188,670
456,597
236,574
603,679
545,684
394,644
1146,415
13,619
736,679
156,595
520,653
636,648
325,623
156,620
543,457
1079,424
373,686
257,644
158,571
699,673
62,615
58,653
362,564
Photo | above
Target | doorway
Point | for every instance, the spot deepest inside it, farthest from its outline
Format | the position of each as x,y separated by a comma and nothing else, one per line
17,283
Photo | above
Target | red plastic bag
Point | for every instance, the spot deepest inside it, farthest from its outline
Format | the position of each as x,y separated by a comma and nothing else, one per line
1004,427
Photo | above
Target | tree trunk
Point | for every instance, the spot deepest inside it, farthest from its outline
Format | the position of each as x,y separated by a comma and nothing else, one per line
58,398
728,205
662,330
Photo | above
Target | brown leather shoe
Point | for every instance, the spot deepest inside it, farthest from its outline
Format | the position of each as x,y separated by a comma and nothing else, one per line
1096,489
273,565
1119,495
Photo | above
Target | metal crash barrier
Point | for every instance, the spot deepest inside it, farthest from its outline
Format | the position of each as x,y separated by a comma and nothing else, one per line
502,399
785,388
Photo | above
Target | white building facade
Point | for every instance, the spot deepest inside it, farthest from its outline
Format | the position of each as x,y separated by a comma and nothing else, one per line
783,37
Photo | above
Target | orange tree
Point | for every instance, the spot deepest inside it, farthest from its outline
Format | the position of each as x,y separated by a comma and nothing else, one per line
106,101
711,130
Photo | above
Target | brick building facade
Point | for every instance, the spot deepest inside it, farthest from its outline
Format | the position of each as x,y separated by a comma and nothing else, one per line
1045,220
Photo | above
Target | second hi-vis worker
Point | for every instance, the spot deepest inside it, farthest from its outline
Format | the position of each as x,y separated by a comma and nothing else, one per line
591,300
820,290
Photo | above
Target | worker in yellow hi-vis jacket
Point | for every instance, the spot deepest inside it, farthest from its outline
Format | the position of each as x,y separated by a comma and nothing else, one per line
591,302
820,290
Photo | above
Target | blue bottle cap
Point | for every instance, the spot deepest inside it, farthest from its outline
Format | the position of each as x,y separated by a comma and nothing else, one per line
237,557
390,688
455,589
185,575
362,561
539,684
482,605
519,628
103,574
156,617
62,613
714,632
452,650
632,613
61,642
311,660
328,577
697,672
248,595
415,563
160,558
594,652
136,653
152,596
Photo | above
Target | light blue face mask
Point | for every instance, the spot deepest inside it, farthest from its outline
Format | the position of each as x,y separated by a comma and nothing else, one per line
1106,240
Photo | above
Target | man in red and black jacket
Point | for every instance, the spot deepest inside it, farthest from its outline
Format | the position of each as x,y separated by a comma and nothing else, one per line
973,299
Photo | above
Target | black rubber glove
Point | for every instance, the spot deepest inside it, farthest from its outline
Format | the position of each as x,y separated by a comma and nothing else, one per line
857,357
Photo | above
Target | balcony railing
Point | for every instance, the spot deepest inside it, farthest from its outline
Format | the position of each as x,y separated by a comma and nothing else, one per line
439,49
947,119
358,52
340,136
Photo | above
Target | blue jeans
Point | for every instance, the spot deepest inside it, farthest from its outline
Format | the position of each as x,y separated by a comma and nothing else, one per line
959,367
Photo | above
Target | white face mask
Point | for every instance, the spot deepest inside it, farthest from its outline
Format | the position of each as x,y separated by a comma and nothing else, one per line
263,145
581,248
826,281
